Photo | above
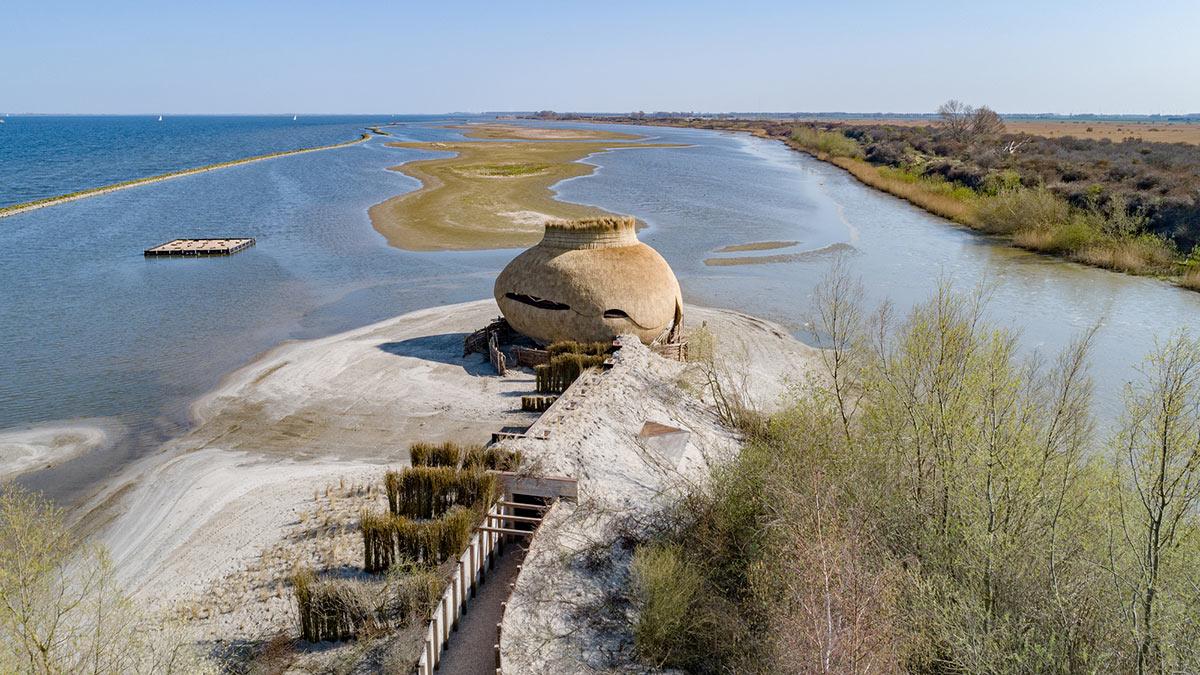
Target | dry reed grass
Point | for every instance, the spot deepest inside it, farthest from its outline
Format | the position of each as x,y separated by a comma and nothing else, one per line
915,192
389,539
430,491
331,610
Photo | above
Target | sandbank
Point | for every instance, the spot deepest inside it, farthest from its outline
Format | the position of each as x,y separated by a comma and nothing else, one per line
482,197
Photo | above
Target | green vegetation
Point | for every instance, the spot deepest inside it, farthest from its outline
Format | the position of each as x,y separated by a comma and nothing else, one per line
91,192
831,143
61,610
1130,206
935,503
517,169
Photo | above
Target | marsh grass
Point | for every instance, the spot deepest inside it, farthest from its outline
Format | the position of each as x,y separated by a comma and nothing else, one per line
504,170
933,195
1191,279
831,143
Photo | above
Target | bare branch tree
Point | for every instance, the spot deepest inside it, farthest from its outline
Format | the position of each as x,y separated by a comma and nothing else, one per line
956,117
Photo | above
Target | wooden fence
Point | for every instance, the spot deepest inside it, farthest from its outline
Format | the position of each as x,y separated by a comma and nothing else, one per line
529,357
473,566
496,356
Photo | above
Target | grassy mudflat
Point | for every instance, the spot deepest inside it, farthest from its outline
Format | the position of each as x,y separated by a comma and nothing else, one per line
491,194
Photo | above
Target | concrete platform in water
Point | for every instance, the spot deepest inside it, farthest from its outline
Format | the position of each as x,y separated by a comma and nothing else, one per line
199,247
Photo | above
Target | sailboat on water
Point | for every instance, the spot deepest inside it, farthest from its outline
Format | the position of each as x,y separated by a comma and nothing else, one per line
160,118
293,118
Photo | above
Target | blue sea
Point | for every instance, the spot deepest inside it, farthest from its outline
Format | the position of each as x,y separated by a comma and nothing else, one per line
90,330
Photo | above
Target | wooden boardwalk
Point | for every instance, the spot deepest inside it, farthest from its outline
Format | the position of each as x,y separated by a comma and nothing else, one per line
198,247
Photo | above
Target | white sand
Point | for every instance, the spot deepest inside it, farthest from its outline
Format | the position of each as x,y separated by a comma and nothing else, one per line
23,450
208,527
567,614
300,417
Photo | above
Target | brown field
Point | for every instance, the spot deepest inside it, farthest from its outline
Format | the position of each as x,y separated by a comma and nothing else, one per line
518,132
490,194
1158,132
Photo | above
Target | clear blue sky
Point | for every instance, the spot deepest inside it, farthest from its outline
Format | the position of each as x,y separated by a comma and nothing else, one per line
438,56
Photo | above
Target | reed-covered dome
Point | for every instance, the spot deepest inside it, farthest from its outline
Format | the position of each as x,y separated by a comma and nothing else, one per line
589,280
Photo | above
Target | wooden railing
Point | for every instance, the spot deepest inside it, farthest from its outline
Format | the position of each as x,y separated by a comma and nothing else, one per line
473,566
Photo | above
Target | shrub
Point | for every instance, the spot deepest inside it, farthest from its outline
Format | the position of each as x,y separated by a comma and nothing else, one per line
670,630
1021,209
832,143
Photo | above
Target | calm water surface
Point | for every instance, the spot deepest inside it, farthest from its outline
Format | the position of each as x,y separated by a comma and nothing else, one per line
91,330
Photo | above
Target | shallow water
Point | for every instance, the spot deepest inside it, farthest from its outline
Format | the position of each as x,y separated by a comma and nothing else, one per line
734,188
93,330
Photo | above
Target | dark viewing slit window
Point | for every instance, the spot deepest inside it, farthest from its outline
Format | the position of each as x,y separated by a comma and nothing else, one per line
540,303
615,314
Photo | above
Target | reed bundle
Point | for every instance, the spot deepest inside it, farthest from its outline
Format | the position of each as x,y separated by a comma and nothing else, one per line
332,610
389,539
572,347
492,458
432,454
563,369
430,491
537,403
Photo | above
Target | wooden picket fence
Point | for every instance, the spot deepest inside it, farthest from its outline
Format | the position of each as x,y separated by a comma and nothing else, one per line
471,570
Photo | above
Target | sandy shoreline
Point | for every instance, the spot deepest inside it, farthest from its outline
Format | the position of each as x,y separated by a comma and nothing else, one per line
210,512
40,447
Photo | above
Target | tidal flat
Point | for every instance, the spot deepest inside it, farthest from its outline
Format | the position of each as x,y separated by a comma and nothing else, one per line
492,193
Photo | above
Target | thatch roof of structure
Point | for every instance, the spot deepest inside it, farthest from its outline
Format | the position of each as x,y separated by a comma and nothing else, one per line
589,280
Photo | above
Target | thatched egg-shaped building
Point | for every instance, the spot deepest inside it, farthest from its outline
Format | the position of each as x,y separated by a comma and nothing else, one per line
590,280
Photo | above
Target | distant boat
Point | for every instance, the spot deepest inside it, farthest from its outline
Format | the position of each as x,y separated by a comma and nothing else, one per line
160,118
293,118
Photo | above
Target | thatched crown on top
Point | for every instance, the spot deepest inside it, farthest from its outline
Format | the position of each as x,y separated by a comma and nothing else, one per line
586,233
